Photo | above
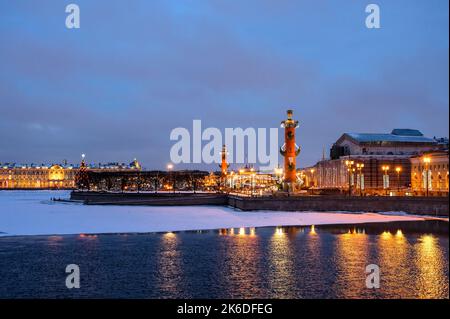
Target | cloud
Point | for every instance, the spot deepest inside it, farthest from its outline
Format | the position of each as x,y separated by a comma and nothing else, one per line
116,88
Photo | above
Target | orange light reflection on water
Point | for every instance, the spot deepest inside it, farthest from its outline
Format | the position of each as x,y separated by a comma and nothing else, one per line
351,254
281,270
431,264
169,264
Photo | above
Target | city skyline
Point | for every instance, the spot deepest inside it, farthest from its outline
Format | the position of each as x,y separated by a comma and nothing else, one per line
115,88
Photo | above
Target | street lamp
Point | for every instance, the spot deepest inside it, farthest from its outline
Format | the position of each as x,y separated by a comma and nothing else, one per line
398,169
427,161
350,171
439,182
312,170
385,169
360,166
312,181
169,168
279,173
253,184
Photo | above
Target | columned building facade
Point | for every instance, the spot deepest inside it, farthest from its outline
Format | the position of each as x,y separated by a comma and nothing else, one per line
55,176
367,163
430,171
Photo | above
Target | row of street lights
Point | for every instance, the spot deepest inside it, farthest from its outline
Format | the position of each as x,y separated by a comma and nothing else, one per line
427,162
352,167
385,169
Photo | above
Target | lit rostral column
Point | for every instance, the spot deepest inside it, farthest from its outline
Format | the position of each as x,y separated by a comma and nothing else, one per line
289,150
224,165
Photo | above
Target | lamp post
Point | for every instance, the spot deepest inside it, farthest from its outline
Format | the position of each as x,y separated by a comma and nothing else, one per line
385,169
350,170
427,161
360,166
439,182
312,183
279,174
169,168
398,169
253,184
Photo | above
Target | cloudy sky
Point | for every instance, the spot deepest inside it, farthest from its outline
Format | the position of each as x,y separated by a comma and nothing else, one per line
115,88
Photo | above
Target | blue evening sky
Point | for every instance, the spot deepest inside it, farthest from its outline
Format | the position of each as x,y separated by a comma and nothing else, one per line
116,87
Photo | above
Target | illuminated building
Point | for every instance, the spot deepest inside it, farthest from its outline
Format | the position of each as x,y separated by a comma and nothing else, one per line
211,181
289,150
246,180
431,166
55,176
249,180
398,142
369,153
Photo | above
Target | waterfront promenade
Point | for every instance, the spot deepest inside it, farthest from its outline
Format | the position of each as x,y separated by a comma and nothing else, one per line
434,206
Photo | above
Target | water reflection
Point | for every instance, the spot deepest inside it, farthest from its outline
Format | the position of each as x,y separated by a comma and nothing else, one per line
169,265
240,267
281,265
314,270
351,258
283,262
54,240
393,259
242,231
431,279
55,243
87,236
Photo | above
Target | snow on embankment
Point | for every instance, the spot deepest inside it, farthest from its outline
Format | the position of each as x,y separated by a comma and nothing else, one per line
32,213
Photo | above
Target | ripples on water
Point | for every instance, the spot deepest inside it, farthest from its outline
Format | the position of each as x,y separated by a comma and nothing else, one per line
288,262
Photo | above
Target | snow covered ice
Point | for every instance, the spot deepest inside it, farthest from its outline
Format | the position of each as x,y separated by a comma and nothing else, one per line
33,213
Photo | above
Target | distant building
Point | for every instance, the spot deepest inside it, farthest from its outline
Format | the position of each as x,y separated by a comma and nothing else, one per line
364,175
244,180
442,142
436,163
55,176
398,142
370,163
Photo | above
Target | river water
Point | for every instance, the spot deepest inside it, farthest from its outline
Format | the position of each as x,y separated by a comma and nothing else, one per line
268,262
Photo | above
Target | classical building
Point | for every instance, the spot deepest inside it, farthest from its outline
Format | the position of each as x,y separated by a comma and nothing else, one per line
429,171
362,174
398,142
365,163
55,176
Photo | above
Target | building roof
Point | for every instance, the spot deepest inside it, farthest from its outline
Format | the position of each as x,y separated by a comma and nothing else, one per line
406,132
114,165
397,135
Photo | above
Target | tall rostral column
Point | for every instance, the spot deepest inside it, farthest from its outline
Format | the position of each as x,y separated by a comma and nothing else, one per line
289,150
223,168
224,165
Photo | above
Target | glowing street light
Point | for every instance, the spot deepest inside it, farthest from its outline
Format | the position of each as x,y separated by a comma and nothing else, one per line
360,166
279,174
169,168
427,161
350,170
312,170
398,169
385,169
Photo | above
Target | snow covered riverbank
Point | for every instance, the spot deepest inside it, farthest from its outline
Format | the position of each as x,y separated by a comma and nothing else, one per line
32,213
